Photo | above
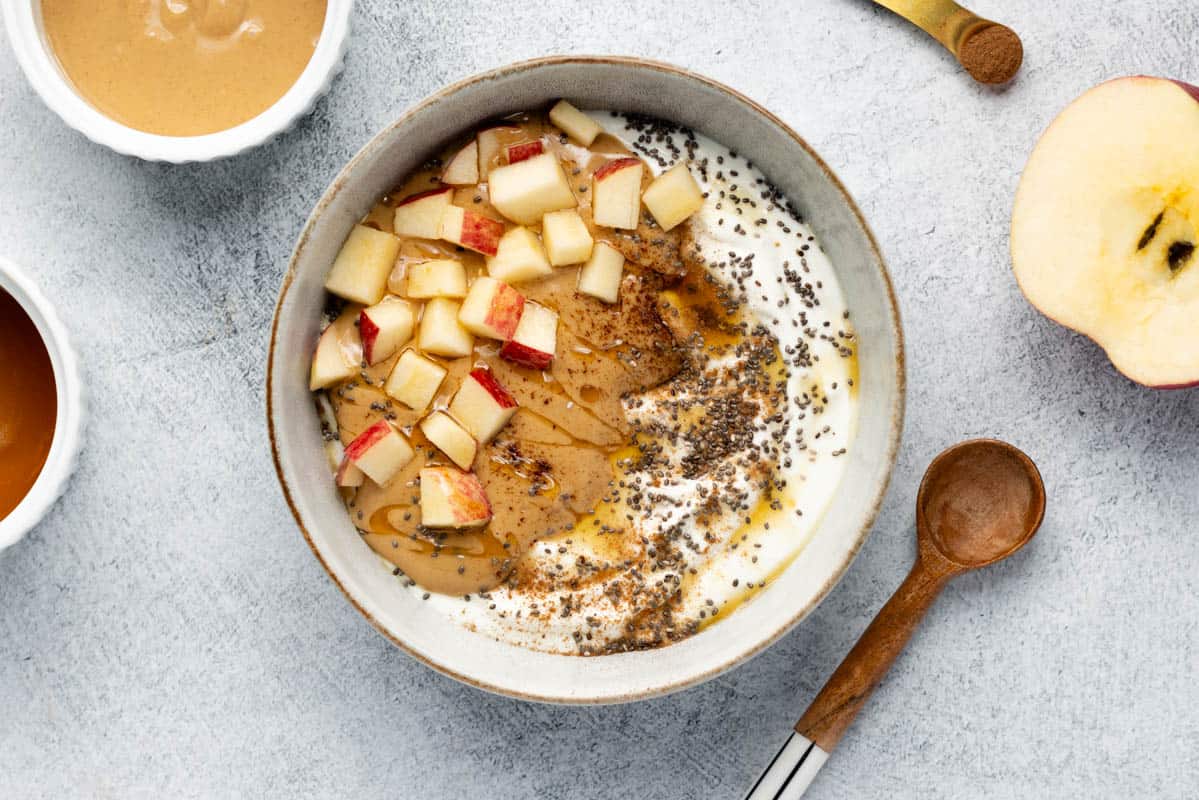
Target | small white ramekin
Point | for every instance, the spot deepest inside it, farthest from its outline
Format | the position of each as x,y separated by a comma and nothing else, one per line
68,422
23,20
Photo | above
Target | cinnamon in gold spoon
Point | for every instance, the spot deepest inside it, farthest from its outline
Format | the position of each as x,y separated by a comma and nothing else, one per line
990,52
980,501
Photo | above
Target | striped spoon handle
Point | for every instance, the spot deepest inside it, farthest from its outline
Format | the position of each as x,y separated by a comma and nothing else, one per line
791,772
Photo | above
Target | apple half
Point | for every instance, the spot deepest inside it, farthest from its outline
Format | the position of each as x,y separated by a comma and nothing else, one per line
1105,227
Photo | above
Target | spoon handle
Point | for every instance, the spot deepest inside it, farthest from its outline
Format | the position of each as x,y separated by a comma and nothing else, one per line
944,20
851,685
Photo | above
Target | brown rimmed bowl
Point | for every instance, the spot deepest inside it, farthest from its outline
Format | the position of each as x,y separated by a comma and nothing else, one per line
622,84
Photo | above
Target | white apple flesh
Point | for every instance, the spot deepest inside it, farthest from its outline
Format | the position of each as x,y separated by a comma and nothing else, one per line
1105,227
360,271
441,334
414,380
519,257
419,216
450,438
673,197
535,340
482,405
567,240
440,277
471,230
385,328
601,276
524,192
337,356
616,193
574,123
451,498
380,452
492,308
463,168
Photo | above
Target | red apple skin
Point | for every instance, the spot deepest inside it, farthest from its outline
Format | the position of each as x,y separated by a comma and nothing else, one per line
370,334
481,233
346,463
422,195
1193,91
613,166
504,312
520,152
468,487
367,439
526,356
483,376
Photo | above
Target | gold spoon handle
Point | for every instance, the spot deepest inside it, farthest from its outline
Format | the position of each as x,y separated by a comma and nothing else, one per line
835,707
990,52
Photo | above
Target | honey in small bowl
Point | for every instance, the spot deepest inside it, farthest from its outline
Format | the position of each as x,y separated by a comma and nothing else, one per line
28,403
183,67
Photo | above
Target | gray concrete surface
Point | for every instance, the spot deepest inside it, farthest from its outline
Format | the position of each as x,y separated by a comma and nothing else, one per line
166,632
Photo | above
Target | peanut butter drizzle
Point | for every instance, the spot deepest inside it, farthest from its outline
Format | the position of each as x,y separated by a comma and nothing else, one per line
551,473
183,67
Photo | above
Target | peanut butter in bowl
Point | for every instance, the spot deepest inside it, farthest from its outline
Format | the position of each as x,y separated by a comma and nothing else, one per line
588,381
182,67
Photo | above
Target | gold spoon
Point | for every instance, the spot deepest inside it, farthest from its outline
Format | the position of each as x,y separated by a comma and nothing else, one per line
980,501
990,52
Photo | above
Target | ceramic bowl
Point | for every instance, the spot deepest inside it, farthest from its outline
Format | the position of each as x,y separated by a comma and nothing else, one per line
628,85
23,20
68,423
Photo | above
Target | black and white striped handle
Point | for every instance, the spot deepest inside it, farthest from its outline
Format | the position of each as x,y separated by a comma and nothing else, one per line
791,772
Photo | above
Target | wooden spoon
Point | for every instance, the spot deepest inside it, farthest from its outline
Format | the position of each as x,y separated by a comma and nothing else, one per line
990,52
980,501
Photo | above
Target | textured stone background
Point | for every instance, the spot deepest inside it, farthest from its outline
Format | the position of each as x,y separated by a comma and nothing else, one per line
166,632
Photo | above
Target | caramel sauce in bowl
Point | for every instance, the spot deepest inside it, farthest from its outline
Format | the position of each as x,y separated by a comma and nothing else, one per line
179,80
41,405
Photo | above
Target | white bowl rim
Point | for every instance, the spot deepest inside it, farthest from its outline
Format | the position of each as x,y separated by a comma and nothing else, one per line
22,19
896,411
68,421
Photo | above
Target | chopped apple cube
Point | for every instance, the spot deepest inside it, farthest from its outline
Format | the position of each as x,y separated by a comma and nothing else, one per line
526,191
360,270
330,363
471,230
450,438
492,308
385,328
673,197
414,380
463,168
616,202
574,123
524,150
348,474
441,277
450,498
380,452
519,257
482,405
601,275
567,240
493,143
419,215
536,338
441,334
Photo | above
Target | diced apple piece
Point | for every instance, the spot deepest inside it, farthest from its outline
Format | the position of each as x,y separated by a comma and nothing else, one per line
567,240
526,191
414,380
441,277
519,257
360,270
574,123
463,168
348,474
451,498
329,363
673,197
492,308
482,406
441,334
493,142
616,202
419,216
536,338
385,328
524,150
450,438
471,230
601,275
380,452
